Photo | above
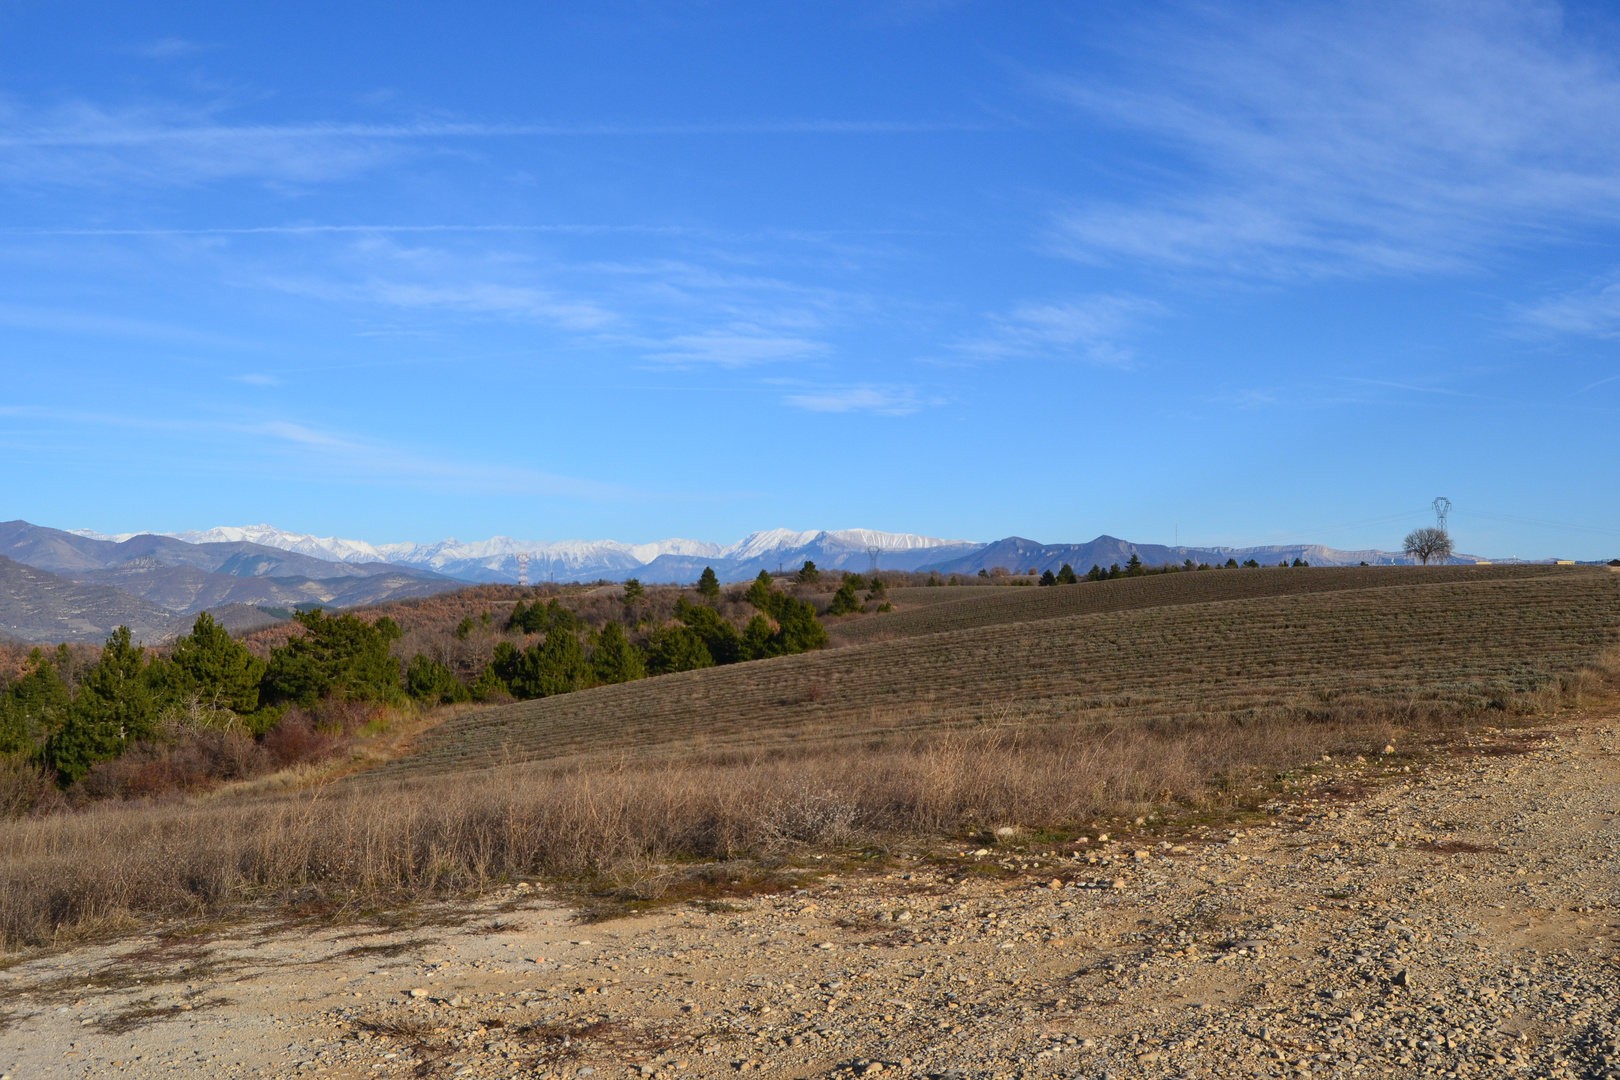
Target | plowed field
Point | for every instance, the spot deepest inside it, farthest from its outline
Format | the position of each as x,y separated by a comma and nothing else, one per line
1177,650
929,611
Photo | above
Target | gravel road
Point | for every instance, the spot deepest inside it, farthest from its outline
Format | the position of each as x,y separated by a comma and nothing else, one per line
1452,921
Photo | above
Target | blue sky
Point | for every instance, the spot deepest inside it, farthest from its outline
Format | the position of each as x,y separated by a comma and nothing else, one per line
1228,273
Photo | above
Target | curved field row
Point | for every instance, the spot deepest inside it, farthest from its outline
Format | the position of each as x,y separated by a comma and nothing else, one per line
970,606
1460,645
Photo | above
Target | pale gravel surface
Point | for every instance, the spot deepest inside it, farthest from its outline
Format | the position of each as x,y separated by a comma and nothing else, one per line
1279,951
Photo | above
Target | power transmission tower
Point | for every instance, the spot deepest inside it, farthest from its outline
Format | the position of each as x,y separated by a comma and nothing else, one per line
523,567
872,553
1442,509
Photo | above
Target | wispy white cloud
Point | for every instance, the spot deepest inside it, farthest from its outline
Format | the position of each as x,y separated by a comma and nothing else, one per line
1589,312
379,229
255,379
1092,328
84,143
169,48
739,346
79,322
910,12
482,298
338,456
882,400
378,271
1331,139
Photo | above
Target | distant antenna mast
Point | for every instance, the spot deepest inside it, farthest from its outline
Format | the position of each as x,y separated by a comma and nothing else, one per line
523,568
1442,509
872,553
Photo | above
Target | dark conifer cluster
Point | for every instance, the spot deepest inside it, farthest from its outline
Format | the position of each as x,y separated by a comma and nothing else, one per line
209,679
134,697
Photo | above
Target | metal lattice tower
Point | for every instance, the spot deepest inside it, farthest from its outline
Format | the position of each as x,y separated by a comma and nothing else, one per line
872,553
523,567
1442,509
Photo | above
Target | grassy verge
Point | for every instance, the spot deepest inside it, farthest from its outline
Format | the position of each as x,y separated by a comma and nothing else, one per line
629,834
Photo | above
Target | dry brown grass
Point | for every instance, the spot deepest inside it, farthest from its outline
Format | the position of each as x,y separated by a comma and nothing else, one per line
368,845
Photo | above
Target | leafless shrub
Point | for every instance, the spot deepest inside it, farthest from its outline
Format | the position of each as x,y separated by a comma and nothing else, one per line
809,816
25,788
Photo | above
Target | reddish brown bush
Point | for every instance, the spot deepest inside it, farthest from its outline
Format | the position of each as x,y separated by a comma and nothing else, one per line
189,761
297,740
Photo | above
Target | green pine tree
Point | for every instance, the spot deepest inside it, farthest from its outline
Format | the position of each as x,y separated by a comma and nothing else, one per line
808,574
429,681
1134,568
676,648
556,666
115,707
759,593
633,592
845,600
344,657
518,618
1048,578
554,617
489,686
758,639
615,659
33,706
214,668
718,635
798,629
1067,576
708,585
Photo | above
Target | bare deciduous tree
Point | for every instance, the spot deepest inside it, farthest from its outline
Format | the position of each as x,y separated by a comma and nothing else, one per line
1428,545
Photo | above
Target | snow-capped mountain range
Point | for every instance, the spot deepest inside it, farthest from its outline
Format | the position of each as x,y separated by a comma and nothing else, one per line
496,559
682,561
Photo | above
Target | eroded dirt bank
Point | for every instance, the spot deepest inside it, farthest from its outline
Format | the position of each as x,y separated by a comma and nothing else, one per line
1451,923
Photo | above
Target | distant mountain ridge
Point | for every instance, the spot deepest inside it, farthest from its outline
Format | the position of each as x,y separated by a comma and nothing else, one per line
184,578
39,606
681,560
1019,555
496,559
57,585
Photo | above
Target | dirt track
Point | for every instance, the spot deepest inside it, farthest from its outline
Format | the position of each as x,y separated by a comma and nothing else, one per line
1451,922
